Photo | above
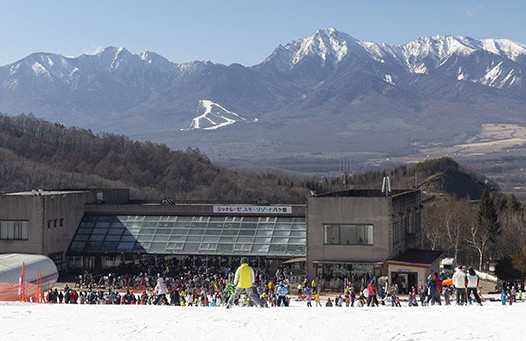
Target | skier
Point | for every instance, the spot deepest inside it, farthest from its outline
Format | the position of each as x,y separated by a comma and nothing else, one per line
473,282
459,281
244,279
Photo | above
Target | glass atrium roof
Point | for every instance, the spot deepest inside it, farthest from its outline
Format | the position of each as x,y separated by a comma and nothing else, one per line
191,235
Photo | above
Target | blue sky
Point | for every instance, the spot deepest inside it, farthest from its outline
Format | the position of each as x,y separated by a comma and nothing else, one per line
245,32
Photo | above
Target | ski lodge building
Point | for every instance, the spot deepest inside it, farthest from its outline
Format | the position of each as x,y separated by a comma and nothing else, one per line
342,234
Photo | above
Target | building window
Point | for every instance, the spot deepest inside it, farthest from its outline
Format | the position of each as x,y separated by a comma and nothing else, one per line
14,230
49,224
55,223
61,222
346,234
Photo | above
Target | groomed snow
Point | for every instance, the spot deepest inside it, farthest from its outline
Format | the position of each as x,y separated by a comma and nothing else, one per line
19,321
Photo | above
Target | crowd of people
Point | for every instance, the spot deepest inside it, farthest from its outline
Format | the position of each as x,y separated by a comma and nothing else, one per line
209,286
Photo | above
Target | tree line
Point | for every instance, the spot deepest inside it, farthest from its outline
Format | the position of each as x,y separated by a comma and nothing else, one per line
35,154
491,231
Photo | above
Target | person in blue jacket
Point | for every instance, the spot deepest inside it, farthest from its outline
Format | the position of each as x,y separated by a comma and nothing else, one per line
281,291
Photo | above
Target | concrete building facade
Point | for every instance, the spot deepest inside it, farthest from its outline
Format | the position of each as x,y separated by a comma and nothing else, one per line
357,230
44,222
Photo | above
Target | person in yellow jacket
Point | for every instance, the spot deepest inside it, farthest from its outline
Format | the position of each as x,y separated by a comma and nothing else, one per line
317,300
244,280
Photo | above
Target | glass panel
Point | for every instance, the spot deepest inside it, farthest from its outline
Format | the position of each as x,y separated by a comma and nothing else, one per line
230,232
139,247
125,246
87,224
81,237
109,246
285,220
299,227
117,224
268,220
93,246
151,219
244,239
147,231
215,225
248,225
295,250
25,230
77,245
158,238
332,234
280,240
115,231
283,226
149,224
266,226
348,235
281,233
225,247
195,232
178,232
98,237
264,233
297,234
247,232
164,231
227,239
250,219
133,225
278,249
145,238
260,248
166,224
158,247
84,231
210,239
299,220
191,247
186,219
101,224
297,241
100,231
185,224
262,240
128,239
113,238
194,238
232,225
178,238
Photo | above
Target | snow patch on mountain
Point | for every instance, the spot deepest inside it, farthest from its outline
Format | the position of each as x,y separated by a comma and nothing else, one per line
213,116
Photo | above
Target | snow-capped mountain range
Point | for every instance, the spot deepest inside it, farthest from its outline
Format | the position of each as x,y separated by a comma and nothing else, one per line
328,91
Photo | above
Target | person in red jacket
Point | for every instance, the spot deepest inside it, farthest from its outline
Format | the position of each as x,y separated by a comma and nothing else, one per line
439,284
373,290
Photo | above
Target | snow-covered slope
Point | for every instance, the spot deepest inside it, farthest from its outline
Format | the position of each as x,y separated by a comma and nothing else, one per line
24,321
212,116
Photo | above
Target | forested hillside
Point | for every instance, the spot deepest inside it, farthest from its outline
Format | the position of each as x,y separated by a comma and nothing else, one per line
38,154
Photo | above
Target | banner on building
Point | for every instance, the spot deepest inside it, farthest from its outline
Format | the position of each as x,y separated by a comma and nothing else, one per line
239,209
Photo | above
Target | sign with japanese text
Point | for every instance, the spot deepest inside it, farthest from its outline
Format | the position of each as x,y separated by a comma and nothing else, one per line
242,209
